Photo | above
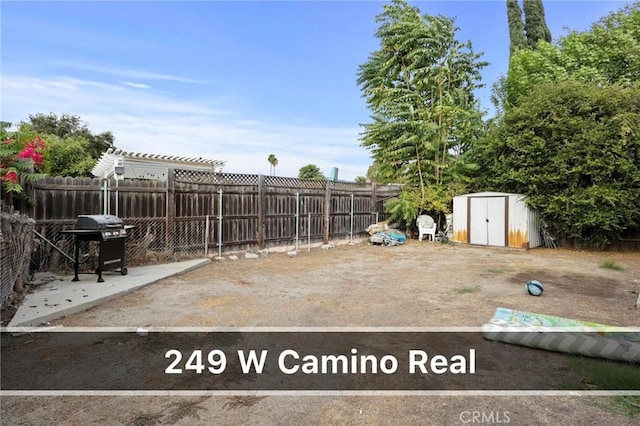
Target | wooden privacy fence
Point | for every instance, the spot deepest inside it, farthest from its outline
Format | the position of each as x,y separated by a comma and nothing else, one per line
197,213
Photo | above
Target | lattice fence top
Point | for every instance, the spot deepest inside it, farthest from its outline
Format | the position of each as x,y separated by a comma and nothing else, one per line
195,176
288,182
351,186
392,187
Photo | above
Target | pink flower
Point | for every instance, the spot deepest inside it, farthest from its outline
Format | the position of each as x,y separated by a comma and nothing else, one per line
33,150
11,177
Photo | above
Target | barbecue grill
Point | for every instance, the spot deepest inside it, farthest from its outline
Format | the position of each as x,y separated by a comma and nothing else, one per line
110,232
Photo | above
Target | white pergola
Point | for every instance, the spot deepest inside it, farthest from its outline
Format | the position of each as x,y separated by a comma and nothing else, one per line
149,166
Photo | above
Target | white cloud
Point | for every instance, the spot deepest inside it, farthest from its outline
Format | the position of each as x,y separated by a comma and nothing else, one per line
108,69
136,85
149,121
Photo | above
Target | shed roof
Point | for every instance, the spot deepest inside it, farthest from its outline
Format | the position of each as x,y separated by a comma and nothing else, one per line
490,194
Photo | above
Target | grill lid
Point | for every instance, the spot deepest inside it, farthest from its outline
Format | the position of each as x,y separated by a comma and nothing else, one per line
99,222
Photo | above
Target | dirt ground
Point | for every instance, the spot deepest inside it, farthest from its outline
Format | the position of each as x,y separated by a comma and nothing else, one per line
415,285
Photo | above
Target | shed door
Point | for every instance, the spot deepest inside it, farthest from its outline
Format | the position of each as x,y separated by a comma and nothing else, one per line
487,221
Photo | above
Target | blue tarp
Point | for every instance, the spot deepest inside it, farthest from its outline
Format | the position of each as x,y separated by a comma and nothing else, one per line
390,237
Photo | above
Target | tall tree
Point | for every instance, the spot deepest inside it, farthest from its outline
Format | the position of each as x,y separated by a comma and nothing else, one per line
68,125
71,148
535,25
570,138
310,171
573,149
499,94
517,39
419,86
68,157
273,161
608,52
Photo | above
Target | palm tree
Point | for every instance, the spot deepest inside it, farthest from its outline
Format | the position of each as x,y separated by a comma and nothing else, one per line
271,158
273,161
310,171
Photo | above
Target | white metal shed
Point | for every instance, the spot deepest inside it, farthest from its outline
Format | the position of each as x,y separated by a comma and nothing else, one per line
497,219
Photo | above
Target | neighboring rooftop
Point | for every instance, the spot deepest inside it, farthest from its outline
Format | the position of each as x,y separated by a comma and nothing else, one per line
149,166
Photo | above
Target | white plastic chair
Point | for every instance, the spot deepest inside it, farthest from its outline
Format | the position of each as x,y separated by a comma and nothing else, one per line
426,226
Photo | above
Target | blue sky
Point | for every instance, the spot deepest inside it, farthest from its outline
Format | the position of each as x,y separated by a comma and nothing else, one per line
234,80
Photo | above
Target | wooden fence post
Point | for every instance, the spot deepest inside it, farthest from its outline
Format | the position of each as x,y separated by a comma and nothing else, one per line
171,210
327,211
261,212
374,202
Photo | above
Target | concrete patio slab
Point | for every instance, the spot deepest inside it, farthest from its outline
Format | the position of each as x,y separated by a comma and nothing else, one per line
64,297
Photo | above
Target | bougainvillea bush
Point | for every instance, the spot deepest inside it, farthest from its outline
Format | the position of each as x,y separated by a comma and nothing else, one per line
21,161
